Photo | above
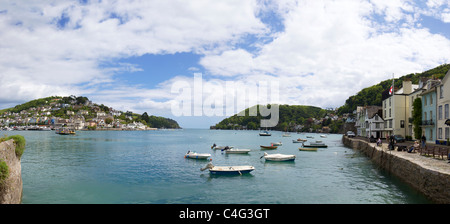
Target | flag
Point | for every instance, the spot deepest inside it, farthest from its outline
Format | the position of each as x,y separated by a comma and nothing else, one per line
391,90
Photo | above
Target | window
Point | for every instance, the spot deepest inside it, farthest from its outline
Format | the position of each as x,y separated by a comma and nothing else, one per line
390,115
431,99
440,112
439,133
431,134
446,111
425,116
441,92
424,100
446,133
402,124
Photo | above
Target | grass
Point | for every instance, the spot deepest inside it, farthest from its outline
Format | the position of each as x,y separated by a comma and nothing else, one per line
4,171
19,142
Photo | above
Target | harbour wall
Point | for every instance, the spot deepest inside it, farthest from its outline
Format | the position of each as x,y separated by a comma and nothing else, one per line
428,175
11,188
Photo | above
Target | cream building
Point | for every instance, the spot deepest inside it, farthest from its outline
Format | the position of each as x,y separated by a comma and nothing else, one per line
442,110
397,111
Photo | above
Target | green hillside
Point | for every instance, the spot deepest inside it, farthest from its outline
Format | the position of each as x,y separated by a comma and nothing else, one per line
291,118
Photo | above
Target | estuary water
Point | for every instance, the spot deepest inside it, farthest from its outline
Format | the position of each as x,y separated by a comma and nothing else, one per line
131,167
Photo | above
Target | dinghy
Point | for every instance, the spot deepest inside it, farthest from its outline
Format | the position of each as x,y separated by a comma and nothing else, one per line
307,149
278,157
237,151
268,147
317,144
216,147
194,155
228,170
276,143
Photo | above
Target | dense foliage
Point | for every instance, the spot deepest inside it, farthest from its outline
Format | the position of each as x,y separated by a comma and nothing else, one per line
417,117
291,118
158,122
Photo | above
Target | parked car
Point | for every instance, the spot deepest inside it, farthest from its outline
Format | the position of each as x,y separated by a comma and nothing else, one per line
350,134
399,138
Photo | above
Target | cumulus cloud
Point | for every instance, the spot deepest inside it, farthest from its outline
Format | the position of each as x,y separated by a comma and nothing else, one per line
320,52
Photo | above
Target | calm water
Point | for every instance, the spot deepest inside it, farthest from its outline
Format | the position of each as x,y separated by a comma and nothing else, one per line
148,167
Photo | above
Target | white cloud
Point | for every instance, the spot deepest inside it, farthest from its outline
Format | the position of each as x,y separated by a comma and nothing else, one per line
320,52
330,50
61,44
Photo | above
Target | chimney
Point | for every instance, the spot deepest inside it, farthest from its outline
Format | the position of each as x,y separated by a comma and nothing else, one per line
407,87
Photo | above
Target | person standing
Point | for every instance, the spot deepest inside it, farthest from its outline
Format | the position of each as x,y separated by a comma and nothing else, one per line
424,140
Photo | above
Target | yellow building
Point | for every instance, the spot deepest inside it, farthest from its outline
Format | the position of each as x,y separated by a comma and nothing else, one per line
397,111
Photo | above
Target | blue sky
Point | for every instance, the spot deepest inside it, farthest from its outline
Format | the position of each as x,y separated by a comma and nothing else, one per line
130,54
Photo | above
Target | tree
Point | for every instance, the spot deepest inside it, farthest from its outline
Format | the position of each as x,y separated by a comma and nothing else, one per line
417,118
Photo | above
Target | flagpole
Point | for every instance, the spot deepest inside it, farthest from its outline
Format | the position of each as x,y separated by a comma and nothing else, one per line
393,105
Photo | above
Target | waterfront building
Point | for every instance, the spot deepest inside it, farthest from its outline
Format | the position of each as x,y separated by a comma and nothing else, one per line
443,102
413,96
429,102
374,122
396,110
360,130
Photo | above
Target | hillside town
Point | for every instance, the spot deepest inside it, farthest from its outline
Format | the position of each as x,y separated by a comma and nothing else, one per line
77,113
414,111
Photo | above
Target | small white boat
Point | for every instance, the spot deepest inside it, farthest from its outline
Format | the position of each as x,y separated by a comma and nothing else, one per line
278,157
323,136
317,144
237,151
228,170
276,143
216,147
286,135
194,155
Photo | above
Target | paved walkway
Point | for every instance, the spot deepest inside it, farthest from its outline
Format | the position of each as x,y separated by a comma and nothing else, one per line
435,164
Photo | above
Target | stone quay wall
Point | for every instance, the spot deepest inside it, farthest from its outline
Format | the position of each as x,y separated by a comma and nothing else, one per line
428,175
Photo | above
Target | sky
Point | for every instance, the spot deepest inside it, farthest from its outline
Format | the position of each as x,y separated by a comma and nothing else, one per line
156,56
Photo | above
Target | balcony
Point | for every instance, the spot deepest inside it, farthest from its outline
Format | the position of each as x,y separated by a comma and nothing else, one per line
427,123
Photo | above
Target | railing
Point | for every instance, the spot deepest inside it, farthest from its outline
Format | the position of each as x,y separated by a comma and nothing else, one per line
427,122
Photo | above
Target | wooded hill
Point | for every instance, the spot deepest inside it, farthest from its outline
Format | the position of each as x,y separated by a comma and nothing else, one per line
291,118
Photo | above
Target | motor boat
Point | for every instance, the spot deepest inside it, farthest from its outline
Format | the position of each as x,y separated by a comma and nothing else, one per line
278,157
228,170
195,155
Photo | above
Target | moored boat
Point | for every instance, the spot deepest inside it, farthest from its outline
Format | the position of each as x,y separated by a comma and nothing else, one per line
228,170
237,151
216,147
307,149
264,133
317,144
268,147
194,155
65,131
299,140
276,143
278,157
